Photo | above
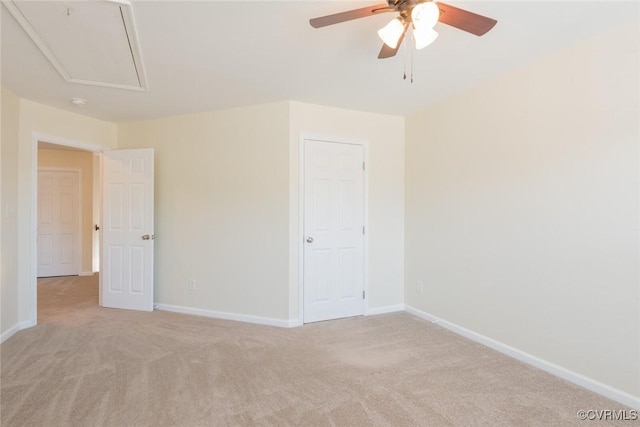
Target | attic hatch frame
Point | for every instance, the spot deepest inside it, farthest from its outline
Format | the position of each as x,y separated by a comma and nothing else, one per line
129,27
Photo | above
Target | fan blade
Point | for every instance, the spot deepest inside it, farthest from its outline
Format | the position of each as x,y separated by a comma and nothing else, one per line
337,18
388,52
465,20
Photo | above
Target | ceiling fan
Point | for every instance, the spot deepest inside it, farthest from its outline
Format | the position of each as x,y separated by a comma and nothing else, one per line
419,15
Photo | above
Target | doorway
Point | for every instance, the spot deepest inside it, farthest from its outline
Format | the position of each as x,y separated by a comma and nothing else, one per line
58,154
334,214
58,167
128,166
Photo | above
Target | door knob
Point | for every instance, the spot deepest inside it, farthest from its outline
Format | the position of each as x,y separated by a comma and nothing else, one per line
148,237
309,239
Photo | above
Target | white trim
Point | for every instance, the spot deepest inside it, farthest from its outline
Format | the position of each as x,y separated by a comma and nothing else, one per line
294,323
638,260
86,273
566,374
129,27
384,310
80,145
365,250
134,43
26,325
247,318
96,212
15,329
100,212
301,229
9,333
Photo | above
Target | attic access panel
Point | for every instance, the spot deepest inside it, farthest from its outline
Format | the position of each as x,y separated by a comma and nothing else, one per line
88,42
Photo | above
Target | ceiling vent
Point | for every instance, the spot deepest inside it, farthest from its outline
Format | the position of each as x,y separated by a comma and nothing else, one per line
88,42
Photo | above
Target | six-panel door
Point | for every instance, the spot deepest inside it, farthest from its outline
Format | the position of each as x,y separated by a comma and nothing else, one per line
58,223
127,230
333,230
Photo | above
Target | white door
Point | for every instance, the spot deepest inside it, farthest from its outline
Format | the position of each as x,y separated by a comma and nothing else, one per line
58,223
126,273
333,230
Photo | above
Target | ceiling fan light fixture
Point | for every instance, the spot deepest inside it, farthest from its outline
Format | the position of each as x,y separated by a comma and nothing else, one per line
425,15
424,37
391,33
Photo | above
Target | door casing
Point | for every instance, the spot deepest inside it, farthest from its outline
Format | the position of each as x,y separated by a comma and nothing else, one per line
32,299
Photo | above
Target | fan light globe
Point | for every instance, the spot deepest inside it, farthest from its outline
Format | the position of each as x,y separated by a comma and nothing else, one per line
425,15
391,33
424,37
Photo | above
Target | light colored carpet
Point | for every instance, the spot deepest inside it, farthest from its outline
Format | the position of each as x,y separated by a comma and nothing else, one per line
88,366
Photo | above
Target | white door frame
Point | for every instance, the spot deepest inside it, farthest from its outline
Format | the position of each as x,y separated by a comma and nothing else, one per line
365,253
33,215
79,212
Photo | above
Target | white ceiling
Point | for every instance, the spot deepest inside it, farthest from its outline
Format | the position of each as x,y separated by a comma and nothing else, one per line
207,55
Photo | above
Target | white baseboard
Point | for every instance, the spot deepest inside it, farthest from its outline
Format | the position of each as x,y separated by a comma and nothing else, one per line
229,316
86,273
384,310
9,333
294,323
368,312
15,329
27,324
573,377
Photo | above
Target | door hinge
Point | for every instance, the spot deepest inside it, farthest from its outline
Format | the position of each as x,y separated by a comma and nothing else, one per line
363,230
362,165
362,294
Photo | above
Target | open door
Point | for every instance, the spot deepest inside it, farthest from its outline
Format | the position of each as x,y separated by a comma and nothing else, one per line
126,273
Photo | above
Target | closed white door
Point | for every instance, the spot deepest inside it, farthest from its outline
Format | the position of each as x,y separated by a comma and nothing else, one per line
333,230
126,273
58,223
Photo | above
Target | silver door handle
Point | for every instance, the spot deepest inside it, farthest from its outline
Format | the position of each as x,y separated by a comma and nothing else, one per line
309,239
148,237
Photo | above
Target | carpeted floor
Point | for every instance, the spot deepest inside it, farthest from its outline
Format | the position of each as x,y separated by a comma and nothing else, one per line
88,366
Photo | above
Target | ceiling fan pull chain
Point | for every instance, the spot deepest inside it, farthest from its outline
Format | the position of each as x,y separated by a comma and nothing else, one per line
412,42
404,62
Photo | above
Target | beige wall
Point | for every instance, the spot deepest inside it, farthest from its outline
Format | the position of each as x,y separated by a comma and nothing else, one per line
83,161
39,121
227,204
221,208
522,210
385,140
9,239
